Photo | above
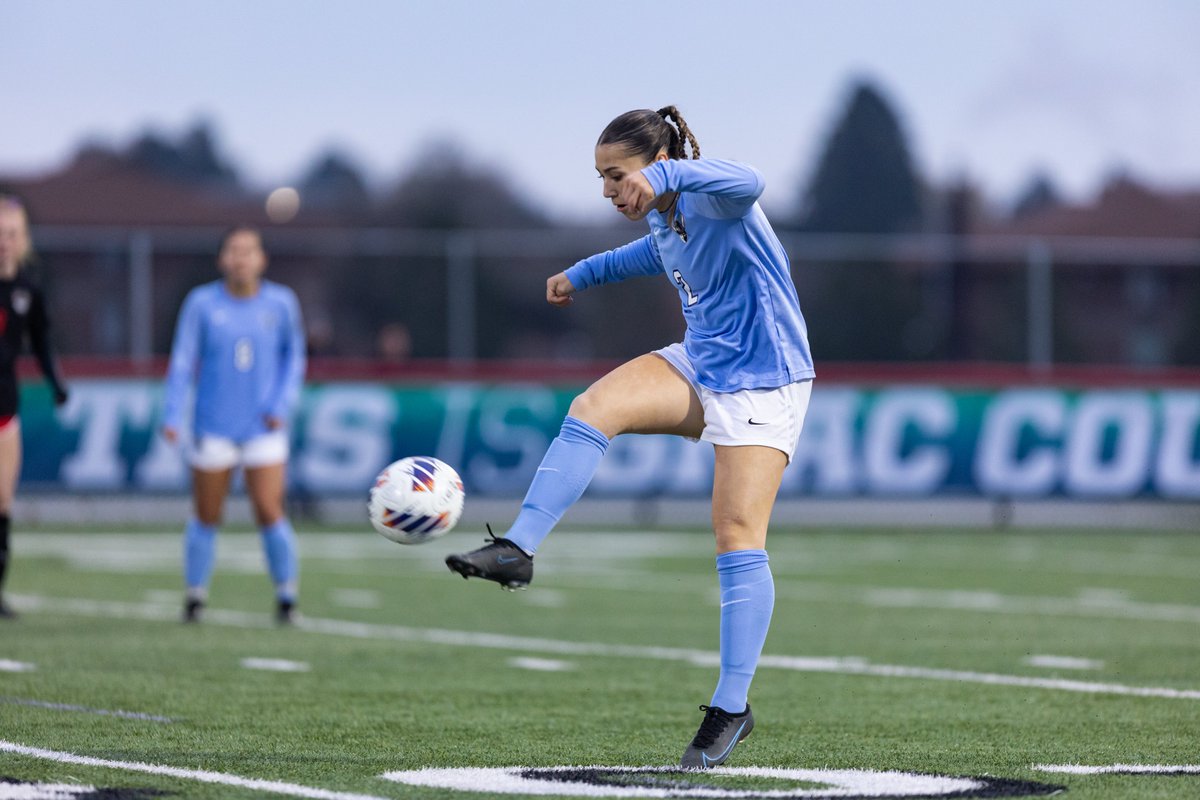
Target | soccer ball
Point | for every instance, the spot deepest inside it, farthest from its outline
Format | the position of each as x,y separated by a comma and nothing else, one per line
416,499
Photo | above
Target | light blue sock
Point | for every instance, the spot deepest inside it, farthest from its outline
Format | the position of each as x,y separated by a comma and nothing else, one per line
199,553
566,470
747,598
279,546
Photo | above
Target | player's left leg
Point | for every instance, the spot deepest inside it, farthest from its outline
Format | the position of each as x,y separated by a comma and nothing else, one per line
266,485
645,395
745,482
10,469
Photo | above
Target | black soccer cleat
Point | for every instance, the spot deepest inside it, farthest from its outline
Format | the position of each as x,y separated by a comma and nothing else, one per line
719,733
192,610
499,560
6,611
285,612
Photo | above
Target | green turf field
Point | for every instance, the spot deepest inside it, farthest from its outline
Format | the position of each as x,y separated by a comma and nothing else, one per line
955,653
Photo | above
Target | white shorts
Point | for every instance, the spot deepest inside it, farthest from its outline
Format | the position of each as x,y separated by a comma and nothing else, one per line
768,417
215,453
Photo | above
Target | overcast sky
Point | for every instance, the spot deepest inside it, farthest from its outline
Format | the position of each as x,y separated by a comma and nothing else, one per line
994,90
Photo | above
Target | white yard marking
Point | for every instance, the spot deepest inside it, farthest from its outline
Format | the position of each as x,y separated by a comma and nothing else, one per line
541,664
1063,662
1121,769
204,776
43,791
549,781
102,712
497,641
356,598
16,666
275,665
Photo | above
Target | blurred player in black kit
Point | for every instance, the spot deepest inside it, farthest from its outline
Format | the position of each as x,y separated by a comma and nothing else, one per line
22,317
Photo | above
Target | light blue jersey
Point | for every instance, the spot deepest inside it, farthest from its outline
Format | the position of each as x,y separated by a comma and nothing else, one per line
744,326
245,355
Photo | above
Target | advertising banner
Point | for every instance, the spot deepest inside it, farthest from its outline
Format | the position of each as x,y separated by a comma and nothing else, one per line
897,441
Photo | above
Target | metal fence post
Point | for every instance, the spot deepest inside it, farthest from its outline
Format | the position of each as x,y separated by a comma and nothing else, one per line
1039,269
141,296
460,298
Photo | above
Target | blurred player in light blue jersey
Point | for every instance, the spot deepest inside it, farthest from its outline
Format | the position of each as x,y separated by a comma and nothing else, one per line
740,379
239,342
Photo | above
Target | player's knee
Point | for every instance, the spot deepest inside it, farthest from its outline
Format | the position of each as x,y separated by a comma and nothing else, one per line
584,407
591,408
735,531
209,516
267,515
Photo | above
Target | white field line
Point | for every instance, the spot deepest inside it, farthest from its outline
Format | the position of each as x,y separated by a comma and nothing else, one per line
275,665
1121,769
102,712
496,641
204,776
833,782
44,791
7,665
1063,662
541,664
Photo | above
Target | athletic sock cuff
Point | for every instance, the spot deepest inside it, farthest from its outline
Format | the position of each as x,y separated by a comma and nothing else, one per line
741,561
576,430
200,527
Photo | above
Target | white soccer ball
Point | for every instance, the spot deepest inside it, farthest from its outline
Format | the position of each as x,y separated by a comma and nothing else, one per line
416,499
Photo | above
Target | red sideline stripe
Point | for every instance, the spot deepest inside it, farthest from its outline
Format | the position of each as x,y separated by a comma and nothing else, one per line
964,375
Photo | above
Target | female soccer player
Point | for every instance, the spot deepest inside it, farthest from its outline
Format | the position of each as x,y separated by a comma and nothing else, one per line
22,314
240,341
740,379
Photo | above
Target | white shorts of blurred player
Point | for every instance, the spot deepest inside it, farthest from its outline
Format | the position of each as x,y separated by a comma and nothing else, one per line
767,417
216,453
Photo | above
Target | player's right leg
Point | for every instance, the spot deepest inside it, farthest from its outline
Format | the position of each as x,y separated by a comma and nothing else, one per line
265,459
10,468
212,470
646,395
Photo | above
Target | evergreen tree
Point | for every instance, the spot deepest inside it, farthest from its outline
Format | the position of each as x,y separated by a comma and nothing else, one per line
334,183
864,184
445,190
193,159
865,181
1039,194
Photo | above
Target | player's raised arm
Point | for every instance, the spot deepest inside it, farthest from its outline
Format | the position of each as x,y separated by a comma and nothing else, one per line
627,261
732,185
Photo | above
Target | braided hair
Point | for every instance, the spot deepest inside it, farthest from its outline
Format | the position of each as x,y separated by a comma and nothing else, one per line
645,132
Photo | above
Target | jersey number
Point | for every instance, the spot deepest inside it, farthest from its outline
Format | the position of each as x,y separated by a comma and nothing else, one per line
243,355
692,299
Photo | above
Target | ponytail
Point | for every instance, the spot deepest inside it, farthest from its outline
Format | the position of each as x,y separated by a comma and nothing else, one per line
683,136
644,133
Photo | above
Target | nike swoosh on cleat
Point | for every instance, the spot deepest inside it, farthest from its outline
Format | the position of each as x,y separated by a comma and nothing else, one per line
724,753
506,559
752,422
